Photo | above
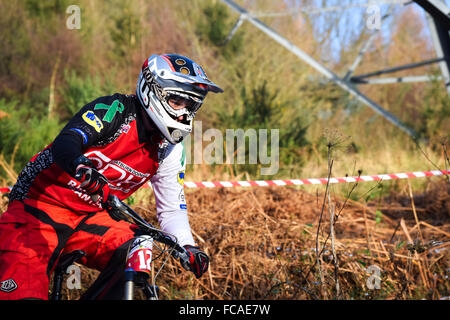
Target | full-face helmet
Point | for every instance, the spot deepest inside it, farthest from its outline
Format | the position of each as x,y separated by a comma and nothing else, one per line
172,77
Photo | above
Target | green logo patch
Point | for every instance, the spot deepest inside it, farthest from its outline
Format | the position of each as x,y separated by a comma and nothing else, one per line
112,109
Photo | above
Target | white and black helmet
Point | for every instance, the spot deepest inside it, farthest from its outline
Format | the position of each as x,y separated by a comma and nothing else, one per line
172,76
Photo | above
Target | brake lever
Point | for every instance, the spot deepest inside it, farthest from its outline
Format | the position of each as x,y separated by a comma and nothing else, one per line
115,204
178,253
185,263
184,259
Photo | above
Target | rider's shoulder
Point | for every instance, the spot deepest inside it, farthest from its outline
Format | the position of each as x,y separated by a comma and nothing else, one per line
111,99
119,99
171,153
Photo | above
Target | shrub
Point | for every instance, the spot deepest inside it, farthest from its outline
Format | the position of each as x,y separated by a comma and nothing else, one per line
78,91
28,133
214,27
262,109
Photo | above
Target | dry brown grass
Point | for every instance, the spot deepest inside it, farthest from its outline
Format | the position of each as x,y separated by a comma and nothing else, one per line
262,246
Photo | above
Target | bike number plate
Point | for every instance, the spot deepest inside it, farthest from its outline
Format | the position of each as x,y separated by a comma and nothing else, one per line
140,256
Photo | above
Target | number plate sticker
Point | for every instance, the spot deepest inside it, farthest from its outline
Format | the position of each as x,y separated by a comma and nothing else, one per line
140,256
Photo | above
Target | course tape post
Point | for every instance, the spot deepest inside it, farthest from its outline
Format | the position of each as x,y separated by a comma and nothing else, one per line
298,182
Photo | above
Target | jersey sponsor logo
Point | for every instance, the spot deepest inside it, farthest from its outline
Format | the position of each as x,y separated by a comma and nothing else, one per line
183,154
181,196
8,285
91,119
120,175
83,196
125,128
180,178
183,206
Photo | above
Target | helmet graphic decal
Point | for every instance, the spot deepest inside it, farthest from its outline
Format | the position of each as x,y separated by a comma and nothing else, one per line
184,70
180,62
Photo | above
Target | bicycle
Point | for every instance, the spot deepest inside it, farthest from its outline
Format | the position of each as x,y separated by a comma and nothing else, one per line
138,261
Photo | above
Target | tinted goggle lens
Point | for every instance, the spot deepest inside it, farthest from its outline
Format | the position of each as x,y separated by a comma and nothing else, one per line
178,102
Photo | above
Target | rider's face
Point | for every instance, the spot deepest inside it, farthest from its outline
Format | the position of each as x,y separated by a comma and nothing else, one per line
178,103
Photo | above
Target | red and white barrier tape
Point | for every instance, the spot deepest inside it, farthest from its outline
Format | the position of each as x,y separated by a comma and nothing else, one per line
291,182
5,190
265,183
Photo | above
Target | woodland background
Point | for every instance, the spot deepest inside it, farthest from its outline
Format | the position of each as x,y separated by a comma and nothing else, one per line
48,72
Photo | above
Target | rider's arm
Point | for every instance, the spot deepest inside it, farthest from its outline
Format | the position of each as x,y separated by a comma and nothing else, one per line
168,188
85,129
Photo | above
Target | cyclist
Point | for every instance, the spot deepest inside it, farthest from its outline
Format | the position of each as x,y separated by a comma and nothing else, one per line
113,145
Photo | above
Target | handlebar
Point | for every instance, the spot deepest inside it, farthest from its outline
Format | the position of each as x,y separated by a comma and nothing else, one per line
114,203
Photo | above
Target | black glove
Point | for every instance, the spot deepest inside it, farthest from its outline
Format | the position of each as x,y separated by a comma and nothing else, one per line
114,213
198,260
92,181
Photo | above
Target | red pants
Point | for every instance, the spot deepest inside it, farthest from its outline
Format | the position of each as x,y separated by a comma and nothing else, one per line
34,234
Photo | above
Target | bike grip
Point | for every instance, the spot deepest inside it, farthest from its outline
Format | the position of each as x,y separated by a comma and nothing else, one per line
114,202
181,254
110,200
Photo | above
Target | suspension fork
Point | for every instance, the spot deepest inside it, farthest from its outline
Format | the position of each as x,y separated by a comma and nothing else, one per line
130,275
139,279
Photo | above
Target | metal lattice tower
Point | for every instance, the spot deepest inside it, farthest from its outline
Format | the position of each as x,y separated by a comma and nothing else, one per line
438,19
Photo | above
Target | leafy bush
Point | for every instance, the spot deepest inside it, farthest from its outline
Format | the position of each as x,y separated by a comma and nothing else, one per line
262,109
15,43
22,135
125,32
78,91
215,26
26,129
435,114
44,9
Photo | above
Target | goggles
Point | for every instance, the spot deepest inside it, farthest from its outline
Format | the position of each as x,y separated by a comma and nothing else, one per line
179,104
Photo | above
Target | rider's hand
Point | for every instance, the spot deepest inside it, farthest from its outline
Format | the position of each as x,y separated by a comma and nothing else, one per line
198,260
92,181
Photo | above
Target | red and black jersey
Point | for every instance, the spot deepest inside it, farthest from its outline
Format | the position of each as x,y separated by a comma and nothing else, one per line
109,131
48,213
